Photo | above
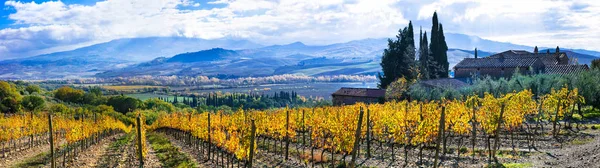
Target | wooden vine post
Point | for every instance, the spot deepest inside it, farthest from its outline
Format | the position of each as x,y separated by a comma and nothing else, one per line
209,139
440,136
368,133
554,132
139,141
252,136
357,137
287,138
303,129
500,121
50,131
474,131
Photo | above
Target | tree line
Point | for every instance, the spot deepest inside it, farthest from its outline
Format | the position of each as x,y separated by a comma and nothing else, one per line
242,100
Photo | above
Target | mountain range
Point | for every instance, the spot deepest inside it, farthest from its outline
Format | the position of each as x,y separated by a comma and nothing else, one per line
234,58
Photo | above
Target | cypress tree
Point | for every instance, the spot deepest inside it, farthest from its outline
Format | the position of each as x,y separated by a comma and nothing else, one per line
433,46
438,49
424,57
535,50
194,101
443,52
475,52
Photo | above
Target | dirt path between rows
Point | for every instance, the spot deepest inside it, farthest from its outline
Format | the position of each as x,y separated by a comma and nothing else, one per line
187,151
91,155
15,158
151,158
121,153
572,155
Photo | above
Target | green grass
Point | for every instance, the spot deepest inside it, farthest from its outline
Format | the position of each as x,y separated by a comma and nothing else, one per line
169,155
39,160
591,113
122,141
517,165
509,165
581,141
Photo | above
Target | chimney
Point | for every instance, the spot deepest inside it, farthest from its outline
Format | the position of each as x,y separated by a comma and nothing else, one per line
557,50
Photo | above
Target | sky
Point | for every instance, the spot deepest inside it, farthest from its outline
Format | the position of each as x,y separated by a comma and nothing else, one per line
29,28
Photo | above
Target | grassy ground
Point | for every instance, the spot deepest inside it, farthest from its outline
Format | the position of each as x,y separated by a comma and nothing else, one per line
169,155
517,165
38,161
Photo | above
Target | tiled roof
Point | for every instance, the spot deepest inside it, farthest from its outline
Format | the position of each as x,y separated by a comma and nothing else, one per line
496,62
360,92
565,69
547,59
445,83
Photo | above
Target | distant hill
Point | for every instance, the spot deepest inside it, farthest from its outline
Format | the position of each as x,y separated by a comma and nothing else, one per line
228,57
115,54
205,55
466,42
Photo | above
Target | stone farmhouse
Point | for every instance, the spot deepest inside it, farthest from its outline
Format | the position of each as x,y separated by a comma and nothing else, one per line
505,63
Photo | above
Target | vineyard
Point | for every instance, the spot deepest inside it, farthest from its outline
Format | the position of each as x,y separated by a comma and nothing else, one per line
363,133
474,132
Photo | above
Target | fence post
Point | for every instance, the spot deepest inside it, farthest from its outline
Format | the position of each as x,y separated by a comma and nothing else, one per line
139,137
50,130
253,134
357,137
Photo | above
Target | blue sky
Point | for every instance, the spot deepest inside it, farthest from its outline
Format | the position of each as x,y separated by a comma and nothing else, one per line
30,28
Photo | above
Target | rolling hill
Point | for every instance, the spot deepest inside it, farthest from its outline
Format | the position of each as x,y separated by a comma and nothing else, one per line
228,57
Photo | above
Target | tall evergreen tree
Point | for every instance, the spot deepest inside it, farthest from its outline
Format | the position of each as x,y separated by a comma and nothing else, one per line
438,49
535,50
194,101
443,52
475,52
398,59
424,57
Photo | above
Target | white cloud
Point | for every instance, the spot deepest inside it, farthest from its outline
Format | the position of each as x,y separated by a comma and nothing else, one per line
533,22
53,25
